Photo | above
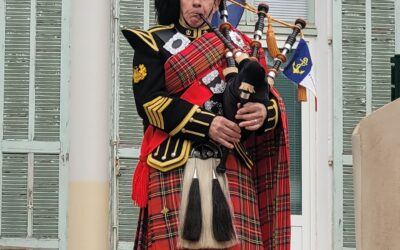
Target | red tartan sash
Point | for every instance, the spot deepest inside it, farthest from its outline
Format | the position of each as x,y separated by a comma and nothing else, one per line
195,61
199,58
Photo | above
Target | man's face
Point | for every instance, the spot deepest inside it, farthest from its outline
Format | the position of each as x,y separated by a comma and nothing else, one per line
190,10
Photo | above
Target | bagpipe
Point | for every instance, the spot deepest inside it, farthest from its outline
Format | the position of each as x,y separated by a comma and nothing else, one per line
279,56
247,79
245,66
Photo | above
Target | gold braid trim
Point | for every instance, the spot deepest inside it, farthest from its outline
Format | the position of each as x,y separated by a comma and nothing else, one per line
164,106
148,112
161,27
184,121
276,117
146,37
173,163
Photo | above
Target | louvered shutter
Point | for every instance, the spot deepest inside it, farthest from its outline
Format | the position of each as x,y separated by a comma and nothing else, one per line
33,131
354,72
383,48
349,234
45,196
152,14
130,128
47,70
16,70
14,214
127,213
354,98
358,79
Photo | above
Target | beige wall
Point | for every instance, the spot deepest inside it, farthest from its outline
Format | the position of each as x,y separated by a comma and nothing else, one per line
90,102
376,163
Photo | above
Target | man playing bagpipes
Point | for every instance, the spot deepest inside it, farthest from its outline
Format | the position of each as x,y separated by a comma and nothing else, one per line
179,80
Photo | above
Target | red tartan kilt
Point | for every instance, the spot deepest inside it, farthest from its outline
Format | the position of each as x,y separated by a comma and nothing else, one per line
159,231
260,197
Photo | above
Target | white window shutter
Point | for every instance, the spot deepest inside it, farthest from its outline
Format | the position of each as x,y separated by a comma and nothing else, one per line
130,125
32,146
383,47
14,213
47,71
16,70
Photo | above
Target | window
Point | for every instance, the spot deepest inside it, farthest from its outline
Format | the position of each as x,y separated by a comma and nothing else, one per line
288,92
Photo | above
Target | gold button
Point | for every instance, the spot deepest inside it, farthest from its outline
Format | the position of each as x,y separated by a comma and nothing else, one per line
198,110
183,130
191,119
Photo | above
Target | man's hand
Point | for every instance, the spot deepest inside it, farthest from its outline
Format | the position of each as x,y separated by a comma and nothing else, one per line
252,115
224,131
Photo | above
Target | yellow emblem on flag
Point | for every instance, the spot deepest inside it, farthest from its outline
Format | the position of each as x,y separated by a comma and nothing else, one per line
139,73
297,67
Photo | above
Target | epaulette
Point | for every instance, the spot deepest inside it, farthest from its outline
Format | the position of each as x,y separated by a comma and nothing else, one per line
131,34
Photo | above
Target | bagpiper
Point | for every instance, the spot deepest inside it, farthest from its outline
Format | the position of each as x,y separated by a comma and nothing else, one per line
180,85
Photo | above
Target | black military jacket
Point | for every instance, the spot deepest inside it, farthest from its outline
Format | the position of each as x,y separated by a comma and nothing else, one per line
185,122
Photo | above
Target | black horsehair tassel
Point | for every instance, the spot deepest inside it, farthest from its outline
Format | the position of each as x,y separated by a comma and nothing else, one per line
221,218
193,218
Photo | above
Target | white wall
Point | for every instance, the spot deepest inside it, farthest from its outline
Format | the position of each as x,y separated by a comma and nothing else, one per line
322,187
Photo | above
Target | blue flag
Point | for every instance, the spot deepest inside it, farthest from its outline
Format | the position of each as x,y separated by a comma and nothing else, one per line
234,14
299,69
